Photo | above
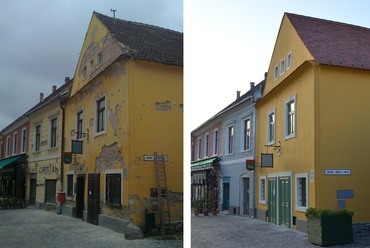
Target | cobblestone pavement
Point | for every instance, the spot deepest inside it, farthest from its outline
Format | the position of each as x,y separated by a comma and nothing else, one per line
39,228
237,231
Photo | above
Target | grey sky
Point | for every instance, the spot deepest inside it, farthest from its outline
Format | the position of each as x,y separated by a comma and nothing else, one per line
40,41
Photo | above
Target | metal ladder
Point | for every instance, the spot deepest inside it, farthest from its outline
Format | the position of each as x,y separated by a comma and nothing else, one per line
163,198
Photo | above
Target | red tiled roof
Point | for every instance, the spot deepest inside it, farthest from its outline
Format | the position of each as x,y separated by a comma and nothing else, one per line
334,43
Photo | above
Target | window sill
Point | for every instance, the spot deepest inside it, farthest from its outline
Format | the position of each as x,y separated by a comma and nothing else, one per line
262,202
301,209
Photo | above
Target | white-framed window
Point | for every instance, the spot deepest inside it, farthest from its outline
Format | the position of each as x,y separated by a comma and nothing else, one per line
53,132
37,137
91,65
271,127
70,184
230,139
215,141
262,190
24,140
7,147
113,187
289,60
290,117
15,139
79,124
99,59
206,145
246,124
276,72
84,72
199,147
100,115
301,183
282,66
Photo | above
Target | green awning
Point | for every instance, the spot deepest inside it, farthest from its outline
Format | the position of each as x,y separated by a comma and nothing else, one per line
204,164
7,161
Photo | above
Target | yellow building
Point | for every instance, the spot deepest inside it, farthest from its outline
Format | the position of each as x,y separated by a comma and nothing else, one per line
126,105
43,178
312,135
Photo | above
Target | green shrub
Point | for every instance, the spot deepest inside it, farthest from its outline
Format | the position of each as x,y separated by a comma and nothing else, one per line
318,212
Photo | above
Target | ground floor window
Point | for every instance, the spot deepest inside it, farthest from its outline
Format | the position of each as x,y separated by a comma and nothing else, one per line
70,185
262,191
113,189
50,190
301,192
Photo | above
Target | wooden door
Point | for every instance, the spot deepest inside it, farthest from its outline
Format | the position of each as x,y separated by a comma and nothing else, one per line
93,201
272,200
80,195
284,201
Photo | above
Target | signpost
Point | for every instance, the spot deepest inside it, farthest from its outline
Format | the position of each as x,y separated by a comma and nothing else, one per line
250,164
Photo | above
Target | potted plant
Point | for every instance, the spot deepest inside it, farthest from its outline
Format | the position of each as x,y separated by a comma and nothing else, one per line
197,204
329,227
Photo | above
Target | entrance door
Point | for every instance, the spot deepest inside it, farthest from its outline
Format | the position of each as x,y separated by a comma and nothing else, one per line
80,196
272,200
226,196
246,196
284,201
93,199
32,191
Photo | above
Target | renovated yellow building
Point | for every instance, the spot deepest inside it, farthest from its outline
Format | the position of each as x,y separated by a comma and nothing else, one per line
126,105
43,178
312,134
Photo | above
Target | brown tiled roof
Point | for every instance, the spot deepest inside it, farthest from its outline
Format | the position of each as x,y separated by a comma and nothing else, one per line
151,43
334,43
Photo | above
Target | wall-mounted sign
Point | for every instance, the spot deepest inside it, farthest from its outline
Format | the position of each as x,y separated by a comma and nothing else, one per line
250,164
67,156
338,172
267,160
77,146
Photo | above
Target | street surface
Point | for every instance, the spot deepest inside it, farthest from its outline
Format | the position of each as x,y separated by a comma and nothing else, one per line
237,231
39,228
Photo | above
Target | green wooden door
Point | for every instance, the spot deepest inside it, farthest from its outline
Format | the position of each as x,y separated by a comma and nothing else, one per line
272,200
284,201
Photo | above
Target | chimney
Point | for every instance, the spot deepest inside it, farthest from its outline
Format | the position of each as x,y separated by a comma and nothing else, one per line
41,97
265,76
67,79
252,85
237,94
54,88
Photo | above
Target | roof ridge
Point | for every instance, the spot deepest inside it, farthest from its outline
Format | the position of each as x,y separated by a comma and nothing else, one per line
326,20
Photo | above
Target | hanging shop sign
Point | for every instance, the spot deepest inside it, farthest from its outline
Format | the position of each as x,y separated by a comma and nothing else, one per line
250,164
67,157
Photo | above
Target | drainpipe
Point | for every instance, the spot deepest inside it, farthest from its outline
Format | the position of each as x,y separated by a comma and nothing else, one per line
62,148
255,155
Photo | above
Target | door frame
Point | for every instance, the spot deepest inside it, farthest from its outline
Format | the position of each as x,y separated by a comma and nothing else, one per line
242,194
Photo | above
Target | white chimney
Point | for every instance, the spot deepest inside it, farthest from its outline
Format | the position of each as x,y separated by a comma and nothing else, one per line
237,94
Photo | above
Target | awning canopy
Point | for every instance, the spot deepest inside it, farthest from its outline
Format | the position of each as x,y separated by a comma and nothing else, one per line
7,161
204,164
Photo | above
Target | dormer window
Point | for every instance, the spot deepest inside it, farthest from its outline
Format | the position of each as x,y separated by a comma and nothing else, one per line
282,66
91,65
289,60
84,71
276,72
98,59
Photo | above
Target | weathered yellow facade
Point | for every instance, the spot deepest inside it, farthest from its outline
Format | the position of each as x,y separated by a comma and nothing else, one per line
143,115
323,162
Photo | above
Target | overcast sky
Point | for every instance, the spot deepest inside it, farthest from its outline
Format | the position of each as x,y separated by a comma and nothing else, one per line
40,41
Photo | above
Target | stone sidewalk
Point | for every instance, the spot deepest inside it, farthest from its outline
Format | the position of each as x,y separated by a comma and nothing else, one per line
39,228
237,231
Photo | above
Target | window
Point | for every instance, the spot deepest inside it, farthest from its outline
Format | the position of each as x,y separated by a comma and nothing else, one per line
113,189
50,190
262,193
282,66
215,142
246,134
276,72
79,124
24,135
15,138
199,147
98,59
230,139
271,127
8,146
37,138
84,72
289,60
301,192
91,65
70,185
290,118
100,115
206,148
53,132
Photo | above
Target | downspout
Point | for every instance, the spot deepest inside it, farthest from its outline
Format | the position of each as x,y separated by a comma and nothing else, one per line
254,155
62,148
